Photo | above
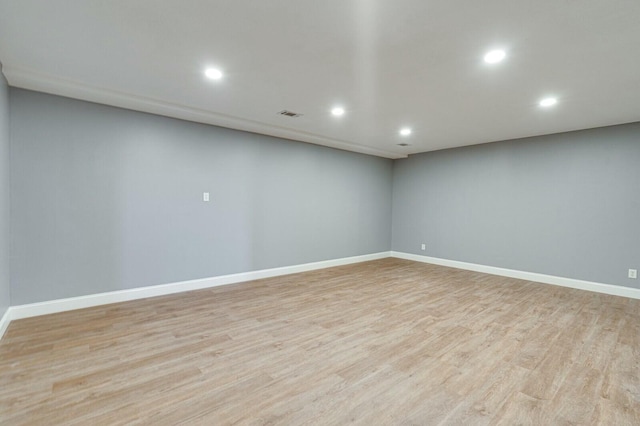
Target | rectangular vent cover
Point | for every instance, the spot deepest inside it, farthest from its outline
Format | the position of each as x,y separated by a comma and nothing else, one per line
290,113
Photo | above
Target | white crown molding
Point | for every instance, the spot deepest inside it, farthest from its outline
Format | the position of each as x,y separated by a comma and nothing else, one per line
32,80
614,290
72,303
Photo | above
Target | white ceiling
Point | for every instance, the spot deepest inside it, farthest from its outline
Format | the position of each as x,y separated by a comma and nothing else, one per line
390,63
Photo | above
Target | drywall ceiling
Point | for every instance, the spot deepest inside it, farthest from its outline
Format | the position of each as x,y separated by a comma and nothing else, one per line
390,64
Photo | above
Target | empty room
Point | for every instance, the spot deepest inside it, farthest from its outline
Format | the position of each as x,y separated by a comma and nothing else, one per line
406,212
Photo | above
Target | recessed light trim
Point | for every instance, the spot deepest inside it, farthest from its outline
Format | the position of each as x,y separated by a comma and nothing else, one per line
213,73
548,102
337,111
495,56
405,131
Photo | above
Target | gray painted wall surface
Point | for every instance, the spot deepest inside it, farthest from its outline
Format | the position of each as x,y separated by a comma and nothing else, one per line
106,199
4,196
566,205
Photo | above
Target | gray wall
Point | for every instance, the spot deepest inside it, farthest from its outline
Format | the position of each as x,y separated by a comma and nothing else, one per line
566,205
4,196
106,199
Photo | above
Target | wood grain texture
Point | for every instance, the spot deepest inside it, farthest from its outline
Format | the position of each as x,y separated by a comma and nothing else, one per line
383,342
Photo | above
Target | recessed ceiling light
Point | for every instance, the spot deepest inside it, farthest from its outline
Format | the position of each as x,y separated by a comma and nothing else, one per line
495,56
405,131
548,102
337,111
213,73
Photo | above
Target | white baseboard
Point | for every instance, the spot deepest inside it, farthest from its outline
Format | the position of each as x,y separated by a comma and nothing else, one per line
72,303
4,322
614,290
61,305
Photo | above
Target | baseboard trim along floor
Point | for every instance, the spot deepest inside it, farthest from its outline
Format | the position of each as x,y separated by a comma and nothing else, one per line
4,322
614,290
81,302
72,303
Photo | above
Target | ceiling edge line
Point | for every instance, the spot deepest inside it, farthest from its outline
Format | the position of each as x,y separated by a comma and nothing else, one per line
31,80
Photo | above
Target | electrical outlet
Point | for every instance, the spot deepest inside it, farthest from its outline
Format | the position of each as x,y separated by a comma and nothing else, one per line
423,247
633,273
205,196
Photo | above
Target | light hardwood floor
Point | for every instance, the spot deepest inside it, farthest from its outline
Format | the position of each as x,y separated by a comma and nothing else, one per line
383,342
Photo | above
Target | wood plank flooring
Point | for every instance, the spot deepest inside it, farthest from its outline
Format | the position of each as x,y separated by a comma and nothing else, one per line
382,342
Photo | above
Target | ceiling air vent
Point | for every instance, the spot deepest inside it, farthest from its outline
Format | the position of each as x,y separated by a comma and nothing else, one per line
290,114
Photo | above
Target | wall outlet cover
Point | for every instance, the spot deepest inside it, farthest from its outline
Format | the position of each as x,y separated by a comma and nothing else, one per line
633,273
